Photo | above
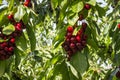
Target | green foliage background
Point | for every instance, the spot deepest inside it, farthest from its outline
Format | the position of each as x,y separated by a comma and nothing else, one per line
39,55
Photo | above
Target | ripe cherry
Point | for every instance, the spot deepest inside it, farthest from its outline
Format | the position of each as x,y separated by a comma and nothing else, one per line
27,1
19,24
119,26
72,45
11,49
10,17
84,43
78,38
118,74
73,39
18,28
12,40
26,4
70,29
81,17
80,32
66,48
79,46
68,35
87,6
84,37
67,41
4,44
6,49
70,53
84,25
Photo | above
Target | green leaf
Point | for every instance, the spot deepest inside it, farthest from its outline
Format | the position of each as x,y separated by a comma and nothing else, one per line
101,11
59,38
92,2
32,38
0,1
77,6
54,3
8,29
80,62
21,43
74,75
2,67
17,57
73,19
61,69
92,43
3,18
20,13
11,4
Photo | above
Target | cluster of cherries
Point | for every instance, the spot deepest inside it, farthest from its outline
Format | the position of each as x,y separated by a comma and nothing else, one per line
7,46
27,3
75,43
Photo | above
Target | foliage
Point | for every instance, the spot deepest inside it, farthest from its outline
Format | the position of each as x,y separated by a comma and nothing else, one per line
39,54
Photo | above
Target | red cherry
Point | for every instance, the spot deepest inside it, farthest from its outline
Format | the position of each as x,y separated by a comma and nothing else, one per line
74,50
80,32
78,38
68,35
87,6
84,37
79,46
84,25
84,43
73,39
26,4
27,1
10,17
70,29
72,45
6,49
19,24
67,41
18,28
14,34
119,26
81,17
4,44
118,74
11,49
66,48
12,40
70,53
